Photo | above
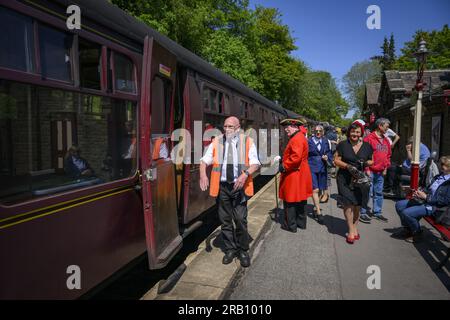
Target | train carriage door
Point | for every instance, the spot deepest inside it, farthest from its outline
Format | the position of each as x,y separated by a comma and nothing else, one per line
158,171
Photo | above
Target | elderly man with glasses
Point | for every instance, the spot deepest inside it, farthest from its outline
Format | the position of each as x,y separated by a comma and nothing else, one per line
234,159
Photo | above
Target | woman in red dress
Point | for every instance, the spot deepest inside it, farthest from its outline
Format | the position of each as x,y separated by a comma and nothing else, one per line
296,181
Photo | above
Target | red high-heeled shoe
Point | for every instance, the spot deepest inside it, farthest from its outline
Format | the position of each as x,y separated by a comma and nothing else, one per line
357,237
350,240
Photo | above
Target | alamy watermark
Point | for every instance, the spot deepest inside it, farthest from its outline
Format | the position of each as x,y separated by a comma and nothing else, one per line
374,20
73,282
262,138
374,280
74,20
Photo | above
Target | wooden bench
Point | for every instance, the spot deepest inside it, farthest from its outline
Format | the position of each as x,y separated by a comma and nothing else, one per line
445,232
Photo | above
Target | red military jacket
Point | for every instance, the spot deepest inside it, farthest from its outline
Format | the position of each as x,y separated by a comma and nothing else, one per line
296,181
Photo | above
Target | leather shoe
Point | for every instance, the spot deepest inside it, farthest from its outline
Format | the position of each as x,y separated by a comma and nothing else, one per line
244,258
320,219
228,257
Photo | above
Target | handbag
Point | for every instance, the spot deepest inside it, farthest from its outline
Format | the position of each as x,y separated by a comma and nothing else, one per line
442,216
359,178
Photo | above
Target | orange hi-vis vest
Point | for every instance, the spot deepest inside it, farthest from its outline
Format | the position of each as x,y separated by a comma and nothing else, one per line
157,148
216,171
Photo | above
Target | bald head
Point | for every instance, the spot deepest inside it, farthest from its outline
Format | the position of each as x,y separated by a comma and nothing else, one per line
232,121
231,126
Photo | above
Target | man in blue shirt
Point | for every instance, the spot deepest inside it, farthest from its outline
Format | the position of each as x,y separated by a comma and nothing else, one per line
423,157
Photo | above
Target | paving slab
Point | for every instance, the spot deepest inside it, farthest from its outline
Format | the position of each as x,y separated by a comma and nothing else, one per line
317,263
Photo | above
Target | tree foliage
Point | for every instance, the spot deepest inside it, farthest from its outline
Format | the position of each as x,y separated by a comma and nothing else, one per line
387,59
438,43
228,53
320,98
357,77
253,46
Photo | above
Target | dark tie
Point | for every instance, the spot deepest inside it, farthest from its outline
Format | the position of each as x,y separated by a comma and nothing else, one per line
230,161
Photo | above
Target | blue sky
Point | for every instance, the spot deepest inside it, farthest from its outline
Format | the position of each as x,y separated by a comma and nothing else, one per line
332,35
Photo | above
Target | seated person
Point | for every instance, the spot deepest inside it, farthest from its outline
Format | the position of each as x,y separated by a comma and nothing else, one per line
75,166
395,172
424,203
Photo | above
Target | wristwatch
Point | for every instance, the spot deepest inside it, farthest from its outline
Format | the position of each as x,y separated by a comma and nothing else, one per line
246,172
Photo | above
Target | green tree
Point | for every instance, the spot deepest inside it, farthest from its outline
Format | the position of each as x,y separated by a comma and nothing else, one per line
253,46
228,53
387,58
320,98
391,51
357,77
438,43
271,43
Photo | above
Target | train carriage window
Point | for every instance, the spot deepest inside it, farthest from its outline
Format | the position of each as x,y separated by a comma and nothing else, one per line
124,74
55,54
90,66
205,98
54,141
161,104
221,101
213,100
226,104
17,41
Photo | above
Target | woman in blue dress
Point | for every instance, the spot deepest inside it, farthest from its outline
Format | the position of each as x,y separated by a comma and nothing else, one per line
318,158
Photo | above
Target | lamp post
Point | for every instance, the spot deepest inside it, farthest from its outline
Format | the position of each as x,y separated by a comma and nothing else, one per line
421,56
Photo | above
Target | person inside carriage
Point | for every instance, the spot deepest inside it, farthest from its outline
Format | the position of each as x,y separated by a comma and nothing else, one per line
75,166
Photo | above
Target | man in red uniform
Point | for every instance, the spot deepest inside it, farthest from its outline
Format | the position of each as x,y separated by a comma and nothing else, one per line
296,180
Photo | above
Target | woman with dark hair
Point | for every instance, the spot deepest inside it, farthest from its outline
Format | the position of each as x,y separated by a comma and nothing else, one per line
352,156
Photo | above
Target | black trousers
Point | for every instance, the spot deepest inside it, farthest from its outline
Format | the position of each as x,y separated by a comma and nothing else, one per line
393,175
233,216
294,215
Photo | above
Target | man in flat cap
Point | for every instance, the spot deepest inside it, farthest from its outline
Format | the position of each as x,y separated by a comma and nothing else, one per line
296,180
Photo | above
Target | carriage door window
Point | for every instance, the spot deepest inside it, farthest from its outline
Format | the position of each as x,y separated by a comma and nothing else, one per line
89,56
55,53
124,74
16,37
160,116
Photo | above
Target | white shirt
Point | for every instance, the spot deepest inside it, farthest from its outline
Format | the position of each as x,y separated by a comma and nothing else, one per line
390,133
252,155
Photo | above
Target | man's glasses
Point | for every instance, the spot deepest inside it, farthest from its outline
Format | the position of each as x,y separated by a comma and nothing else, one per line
231,127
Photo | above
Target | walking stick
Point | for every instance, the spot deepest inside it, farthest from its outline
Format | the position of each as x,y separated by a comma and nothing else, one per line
276,189
276,160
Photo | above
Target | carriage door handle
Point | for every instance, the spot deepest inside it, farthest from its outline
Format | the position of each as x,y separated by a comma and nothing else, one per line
150,174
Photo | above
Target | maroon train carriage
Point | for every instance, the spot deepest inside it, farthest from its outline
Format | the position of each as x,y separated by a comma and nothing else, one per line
105,98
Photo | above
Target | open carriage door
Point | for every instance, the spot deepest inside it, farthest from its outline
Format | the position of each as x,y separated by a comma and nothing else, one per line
158,172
